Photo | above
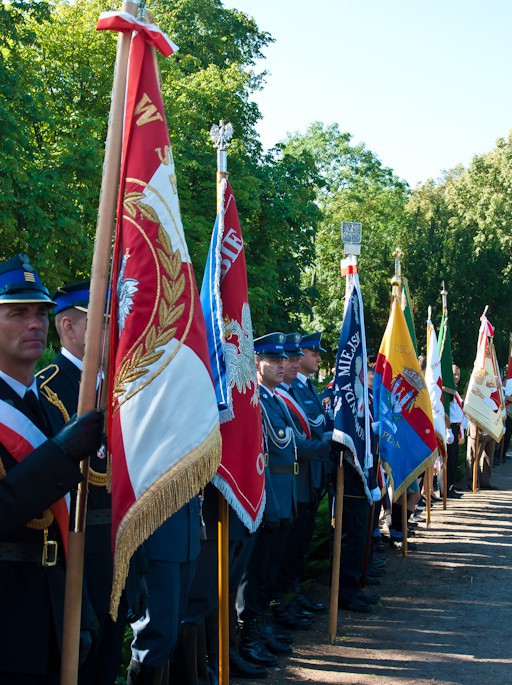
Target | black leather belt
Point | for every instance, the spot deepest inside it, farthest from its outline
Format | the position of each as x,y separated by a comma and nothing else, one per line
99,517
285,468
17,551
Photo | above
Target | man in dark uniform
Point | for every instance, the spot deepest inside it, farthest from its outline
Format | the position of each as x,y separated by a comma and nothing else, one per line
32,556
60,385
312,481
262,583
307,498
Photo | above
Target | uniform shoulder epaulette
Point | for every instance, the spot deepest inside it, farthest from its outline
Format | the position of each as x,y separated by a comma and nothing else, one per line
48,373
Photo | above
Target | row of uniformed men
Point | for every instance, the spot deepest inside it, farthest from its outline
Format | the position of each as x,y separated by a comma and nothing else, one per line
177,568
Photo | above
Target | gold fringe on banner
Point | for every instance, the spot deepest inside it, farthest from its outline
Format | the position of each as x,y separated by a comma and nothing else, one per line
163,499
429,461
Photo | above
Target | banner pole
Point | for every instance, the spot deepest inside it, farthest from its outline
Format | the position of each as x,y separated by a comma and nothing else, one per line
223,576
336,552
476,459
92,356
428,497
221,139
404,522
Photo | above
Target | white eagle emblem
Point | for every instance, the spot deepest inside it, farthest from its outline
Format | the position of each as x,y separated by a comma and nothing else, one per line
126,289
240,366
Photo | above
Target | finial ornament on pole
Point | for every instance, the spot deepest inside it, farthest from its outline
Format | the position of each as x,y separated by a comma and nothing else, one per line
444,295
396,281
221,135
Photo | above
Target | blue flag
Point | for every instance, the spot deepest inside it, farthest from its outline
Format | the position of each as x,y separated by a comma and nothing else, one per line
350,388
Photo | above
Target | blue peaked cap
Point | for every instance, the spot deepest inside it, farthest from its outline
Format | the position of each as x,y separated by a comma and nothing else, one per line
271,345
312,341
19,282
74,296
292,345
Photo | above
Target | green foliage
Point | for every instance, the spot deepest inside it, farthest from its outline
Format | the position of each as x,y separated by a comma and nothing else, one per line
354,186
459,232
55,80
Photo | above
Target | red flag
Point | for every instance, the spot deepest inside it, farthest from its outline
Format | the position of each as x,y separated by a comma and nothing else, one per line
163,420
224,298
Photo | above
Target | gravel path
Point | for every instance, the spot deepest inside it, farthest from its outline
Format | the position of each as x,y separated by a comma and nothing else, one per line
445,615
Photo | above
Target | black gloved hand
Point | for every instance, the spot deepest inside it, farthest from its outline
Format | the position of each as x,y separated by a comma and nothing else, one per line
81,436
136,589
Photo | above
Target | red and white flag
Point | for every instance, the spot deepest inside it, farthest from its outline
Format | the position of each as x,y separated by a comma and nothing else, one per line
508,382
224,298
163,429
434,382
484,397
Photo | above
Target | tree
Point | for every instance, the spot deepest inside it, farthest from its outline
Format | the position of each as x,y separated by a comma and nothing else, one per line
354,187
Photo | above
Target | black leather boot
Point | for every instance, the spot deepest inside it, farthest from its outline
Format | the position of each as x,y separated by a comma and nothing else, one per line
240,668
270,641
251,646
140,674
285,619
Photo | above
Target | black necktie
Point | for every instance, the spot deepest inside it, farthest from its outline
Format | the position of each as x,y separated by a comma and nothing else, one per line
35,411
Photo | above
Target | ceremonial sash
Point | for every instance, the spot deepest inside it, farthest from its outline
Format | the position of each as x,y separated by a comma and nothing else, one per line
293,405
21,437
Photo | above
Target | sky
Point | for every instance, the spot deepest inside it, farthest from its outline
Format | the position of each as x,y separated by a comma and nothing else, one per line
425,85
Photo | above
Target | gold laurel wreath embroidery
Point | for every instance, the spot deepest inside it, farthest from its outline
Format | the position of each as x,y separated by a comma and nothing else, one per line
172,286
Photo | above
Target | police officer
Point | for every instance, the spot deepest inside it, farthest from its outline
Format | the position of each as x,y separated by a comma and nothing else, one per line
312,480
60,385
262,582
303,525
31,556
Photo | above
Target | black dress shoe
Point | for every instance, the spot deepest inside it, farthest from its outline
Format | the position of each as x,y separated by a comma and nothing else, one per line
355,605
251,646
367,598
452,494
309,605
289,621
279,633
489,486
271,642
295,609
240,668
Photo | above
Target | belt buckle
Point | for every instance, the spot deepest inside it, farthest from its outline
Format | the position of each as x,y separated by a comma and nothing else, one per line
296,468
50,549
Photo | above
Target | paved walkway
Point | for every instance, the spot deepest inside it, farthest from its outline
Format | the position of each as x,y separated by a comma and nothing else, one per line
445,615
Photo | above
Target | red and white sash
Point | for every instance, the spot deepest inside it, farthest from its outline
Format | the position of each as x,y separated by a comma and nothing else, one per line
295,407
21,437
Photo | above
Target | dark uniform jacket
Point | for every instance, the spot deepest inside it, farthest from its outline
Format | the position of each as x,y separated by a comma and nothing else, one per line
31,596
288,453
60,383
312,482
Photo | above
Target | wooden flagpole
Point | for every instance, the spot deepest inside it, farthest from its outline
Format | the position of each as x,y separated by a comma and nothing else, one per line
221,136
396,283
428,497
336,552
92,357
476,459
